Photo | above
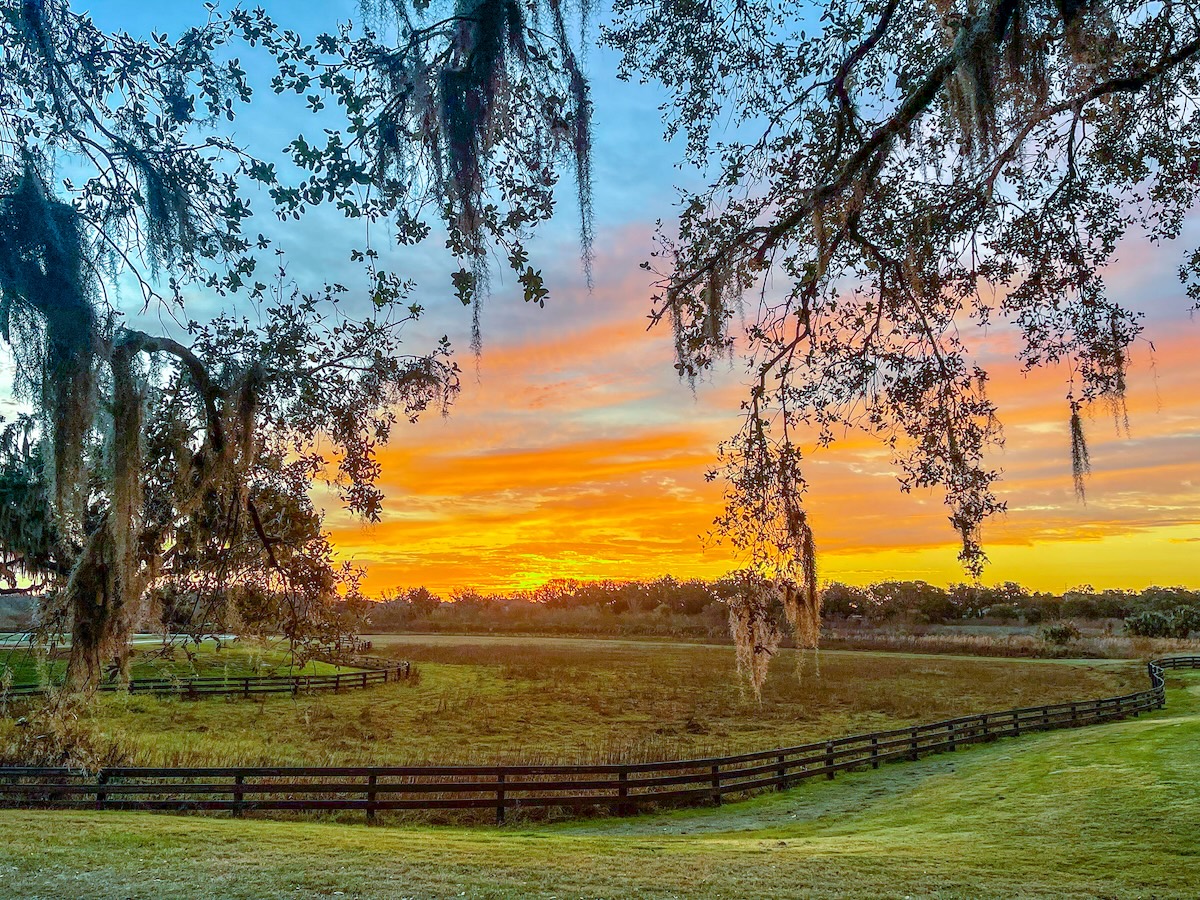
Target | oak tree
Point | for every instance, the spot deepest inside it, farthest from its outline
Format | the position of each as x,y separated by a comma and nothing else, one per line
182,457
886,181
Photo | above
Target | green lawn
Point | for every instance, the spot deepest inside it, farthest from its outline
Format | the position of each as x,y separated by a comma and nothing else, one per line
1103,812
516,699
230,659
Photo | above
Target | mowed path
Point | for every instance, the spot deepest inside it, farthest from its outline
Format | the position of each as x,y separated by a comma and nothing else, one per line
1106,812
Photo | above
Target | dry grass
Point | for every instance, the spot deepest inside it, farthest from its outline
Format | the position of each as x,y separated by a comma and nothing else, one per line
1018,642
511,699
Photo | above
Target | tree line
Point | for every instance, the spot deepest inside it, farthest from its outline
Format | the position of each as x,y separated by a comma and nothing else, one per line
700,608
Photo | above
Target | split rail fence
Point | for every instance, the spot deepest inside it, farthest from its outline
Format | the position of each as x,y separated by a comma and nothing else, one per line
620,788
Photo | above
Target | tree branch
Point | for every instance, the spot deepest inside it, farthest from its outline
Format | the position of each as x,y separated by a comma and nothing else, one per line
139,341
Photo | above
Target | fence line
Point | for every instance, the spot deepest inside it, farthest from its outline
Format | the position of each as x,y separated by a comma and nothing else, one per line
376,670
619,787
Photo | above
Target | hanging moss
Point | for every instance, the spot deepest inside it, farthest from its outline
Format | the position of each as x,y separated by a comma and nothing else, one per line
1081,464
756,637
490,112
44,276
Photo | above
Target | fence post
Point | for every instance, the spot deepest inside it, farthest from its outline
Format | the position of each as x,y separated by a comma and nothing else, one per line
1016,716
371,782
914,753
782,773
953,729
829,773
1046,716
337,682
246,686
239,794
874,751
499,798
716,784
101,780
623,793
983,720
364,679
1074,714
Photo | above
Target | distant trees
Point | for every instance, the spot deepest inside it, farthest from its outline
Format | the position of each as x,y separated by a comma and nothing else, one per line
712,609
1178,622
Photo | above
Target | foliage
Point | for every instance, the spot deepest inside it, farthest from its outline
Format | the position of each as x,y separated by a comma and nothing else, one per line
1175,623
889,181
472,109
180,463
1061,633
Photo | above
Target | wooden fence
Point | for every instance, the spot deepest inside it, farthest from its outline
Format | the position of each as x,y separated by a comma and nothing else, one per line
377,671
350,646
620,788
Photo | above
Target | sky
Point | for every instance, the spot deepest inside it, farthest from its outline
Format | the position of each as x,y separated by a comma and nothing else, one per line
574,451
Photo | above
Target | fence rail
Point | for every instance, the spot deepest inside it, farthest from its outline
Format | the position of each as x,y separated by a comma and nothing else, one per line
376,670
351,646
621,788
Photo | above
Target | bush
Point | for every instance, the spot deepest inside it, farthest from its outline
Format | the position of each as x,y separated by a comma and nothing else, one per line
1061,633
1034,615
1176,623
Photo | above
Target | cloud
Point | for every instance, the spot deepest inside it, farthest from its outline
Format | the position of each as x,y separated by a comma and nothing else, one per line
578,453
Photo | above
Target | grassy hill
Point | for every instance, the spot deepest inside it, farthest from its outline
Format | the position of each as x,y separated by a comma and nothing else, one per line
1103,812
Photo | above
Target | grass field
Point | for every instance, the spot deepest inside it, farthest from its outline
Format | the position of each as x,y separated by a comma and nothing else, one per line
229,659
1103,812
513,699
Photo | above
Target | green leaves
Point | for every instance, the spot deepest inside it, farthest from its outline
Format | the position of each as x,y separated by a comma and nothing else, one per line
464,286
535,290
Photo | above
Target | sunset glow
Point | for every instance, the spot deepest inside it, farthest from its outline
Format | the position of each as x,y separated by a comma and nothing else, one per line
575,452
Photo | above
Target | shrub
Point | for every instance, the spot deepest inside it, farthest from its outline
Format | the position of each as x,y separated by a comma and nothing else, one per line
1061,633
1176,623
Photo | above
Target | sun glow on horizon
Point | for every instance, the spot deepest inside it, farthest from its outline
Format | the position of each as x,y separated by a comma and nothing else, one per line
578,454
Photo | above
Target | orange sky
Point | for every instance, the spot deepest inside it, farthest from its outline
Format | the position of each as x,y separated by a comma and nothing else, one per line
577,453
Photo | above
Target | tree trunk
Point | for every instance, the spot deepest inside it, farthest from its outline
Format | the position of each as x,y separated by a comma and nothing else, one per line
100,623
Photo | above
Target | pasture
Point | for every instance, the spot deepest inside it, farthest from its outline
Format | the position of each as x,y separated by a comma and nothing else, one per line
1098,812
519,699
